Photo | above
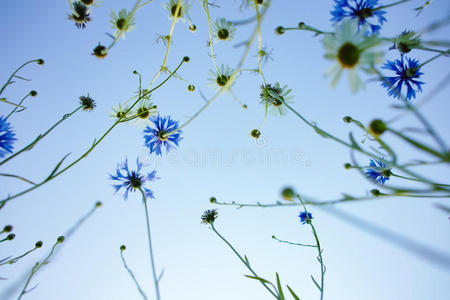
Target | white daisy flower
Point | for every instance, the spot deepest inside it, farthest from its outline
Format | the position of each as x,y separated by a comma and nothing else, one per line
352,49
122,23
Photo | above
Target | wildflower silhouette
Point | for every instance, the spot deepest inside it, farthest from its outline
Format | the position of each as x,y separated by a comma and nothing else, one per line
378,171
161,136
130,181
406,73
273,97
352,48
6,137
80,14
359,10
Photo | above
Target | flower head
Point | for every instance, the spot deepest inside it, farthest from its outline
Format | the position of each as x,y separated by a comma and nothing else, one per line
144,110
351,48
360,10
87,102
209,216
80,14
100,51
6,137
122,22
182,10
164,133
119,111
406,73
220,79
305,217
223,30
274,96
406,41
131,181
378,171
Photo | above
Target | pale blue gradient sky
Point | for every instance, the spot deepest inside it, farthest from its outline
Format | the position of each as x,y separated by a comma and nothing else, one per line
197,264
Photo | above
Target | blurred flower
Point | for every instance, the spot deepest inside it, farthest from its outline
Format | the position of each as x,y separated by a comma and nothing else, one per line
305,217
122,23
407,73
223,30
378,171
80,14
406,41
360,10
351,49
273,96
219,79
209,216
119,111
6,137
131,181
156,138
182,11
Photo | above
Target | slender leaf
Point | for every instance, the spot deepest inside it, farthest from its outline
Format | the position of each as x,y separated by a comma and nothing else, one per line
292,293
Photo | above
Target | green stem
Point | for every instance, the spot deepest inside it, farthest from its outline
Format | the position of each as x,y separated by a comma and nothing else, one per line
319,250
35,268
18,177
14,73
389,5
295,244
418,145
152,261
132,276
243,261
414,179
13,260
41,136
18,105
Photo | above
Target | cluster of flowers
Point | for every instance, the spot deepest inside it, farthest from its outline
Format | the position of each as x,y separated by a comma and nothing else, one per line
353,47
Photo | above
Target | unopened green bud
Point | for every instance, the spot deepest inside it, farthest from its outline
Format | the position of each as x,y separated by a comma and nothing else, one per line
377,127
288,193
38,244
123,247
60,239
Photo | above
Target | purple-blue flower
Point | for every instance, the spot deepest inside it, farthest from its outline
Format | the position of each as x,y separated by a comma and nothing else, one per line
163,134
131,181
305,217
406,73
378,171
358,9
6,137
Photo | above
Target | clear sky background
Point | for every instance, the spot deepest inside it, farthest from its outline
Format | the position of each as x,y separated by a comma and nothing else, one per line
196,263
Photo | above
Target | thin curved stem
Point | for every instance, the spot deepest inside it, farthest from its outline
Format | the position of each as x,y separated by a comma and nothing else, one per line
152,261
242,260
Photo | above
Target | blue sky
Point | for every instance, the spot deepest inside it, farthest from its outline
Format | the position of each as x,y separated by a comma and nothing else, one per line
216,157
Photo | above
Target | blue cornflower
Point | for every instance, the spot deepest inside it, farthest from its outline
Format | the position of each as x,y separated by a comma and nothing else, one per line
358,9
6,137
305,217
378,171
158,137
406,74
132,180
